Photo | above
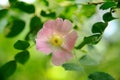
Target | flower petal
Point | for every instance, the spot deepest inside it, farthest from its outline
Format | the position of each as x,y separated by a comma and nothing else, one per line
61,56
58,24
43,46
49,24
70,40
67,26
44,34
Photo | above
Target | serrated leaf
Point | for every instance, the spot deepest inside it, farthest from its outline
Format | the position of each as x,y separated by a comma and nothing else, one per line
7,70
14,28
72,66
22,57
21,45
87,60
100,76
108,17
3,12
28,8
93,39
99,27
107,5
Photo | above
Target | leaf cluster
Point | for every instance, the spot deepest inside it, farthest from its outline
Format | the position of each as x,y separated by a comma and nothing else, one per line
99,27
21,57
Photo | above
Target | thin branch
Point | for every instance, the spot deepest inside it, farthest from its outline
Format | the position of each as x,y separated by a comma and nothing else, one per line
95,3
92,3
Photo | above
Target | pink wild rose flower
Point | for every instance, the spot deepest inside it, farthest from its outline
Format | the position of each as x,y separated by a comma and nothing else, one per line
58,38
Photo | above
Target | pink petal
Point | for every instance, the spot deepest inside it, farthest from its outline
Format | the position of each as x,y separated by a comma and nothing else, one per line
44,34
63,27
61,56
43,46
51,25
70,40
67,26
58,24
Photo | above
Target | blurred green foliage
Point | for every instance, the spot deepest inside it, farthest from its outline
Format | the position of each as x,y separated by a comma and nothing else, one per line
20,21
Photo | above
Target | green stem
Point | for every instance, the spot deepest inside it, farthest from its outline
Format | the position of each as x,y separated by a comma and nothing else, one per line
81,45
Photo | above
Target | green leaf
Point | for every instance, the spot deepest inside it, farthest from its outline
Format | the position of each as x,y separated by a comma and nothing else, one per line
100,76
14,28
3,12
28,8
51,14
81,45
87,60
108,17
118,4
94,39
35,26
72,67
68,11
43,13
108,5
88,10
12,2
99,27
46,2
21,45
35,23
7,70
22,57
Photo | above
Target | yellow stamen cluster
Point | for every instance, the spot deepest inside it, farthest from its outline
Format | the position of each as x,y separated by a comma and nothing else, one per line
56,40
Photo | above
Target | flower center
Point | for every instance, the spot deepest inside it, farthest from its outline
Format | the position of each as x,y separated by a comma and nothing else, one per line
56,40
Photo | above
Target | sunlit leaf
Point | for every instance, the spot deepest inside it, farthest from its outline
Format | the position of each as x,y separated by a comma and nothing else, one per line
21,45
99,27
108,5
108,17
14,28
69,11
22,57
88,10
87,60
72,66
7,70
28,8
3,12
100,76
